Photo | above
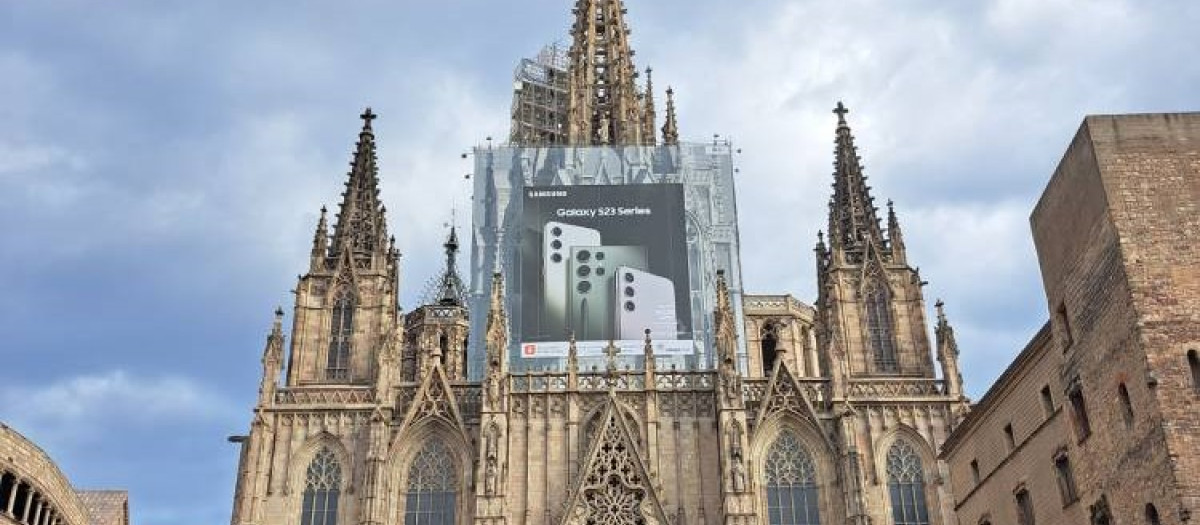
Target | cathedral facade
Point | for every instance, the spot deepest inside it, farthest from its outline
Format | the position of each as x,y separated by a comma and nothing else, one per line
367,415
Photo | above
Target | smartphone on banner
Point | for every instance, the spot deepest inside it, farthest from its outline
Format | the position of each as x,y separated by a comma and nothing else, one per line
557,240
643,300
591,277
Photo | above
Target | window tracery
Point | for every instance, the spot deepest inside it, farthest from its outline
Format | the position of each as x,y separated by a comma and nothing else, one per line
614,489
906,485
432,487
341,334
878,300
791,483
322,489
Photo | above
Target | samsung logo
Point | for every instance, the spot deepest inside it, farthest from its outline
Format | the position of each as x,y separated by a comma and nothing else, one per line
547,193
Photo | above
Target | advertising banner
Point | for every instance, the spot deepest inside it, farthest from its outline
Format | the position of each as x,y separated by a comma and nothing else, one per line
606,263
603,242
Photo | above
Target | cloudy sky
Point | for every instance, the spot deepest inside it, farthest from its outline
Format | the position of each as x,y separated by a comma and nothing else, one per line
162,164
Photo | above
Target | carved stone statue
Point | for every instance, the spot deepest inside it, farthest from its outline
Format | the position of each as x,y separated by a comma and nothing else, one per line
493,390
602,130
489,477
490,448
729,382
737,472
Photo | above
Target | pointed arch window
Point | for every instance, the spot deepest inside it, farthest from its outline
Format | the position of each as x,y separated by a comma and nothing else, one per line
341,334
769,347
879,325
322,488
431,487
791,483
906,485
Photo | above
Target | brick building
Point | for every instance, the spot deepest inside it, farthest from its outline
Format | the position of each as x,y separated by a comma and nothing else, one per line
1096,421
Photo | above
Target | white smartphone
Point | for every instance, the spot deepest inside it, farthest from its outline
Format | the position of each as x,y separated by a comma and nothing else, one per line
557,240
644,300
591,276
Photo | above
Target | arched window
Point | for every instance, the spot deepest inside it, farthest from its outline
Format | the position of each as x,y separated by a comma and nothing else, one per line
8,484
791,483
770,340
341,334
1152,515
906,485
322,486
431,487
879,326
1193,358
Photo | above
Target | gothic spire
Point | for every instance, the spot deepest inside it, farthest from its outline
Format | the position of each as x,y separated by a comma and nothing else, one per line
361,228
895,236
853,223
497,324
947,352
670,129
602,104
648,114
320,247
450,286
272,360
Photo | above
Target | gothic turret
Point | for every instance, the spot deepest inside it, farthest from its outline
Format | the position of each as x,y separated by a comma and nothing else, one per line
602,106
450,285
346,303
437,330
869,305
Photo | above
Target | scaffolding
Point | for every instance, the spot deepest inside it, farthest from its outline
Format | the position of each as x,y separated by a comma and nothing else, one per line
539,107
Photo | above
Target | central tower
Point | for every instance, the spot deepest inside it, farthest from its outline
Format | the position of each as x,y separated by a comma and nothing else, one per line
603,100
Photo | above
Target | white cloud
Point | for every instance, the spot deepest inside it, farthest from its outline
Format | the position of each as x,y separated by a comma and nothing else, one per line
86,404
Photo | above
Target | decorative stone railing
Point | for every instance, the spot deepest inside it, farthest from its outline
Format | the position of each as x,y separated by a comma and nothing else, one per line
626,380
324,396
816,389
896,387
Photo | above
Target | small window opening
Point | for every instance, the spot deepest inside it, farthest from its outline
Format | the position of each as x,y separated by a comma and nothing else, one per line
1152,515
444,346
1083,426
1047,401
1126,405
1194,364
1065,325
975,471
1024,508
1066,479
1009,438
769,346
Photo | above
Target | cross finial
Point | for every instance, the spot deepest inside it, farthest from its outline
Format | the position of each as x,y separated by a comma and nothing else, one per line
841,112
610,354
367,117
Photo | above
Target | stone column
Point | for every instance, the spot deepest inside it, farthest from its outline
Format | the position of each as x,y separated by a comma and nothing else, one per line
12,497
37,512
28,503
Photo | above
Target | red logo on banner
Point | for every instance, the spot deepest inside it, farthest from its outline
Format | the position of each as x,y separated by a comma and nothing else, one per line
529,349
